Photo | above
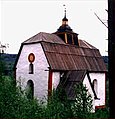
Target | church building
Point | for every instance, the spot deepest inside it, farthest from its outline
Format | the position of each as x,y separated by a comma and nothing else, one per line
48,59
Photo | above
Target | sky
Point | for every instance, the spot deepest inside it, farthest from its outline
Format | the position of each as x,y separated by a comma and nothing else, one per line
22,19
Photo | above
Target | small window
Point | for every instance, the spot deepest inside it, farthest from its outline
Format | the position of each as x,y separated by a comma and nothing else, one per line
31,68
95,86
75,38
69,37
62,36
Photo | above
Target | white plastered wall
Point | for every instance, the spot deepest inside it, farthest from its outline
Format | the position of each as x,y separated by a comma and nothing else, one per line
55,79
100,77
41,73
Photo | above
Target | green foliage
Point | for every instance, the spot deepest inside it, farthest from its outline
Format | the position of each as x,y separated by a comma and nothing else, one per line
58,106
2,66
14,103
102,113
82,106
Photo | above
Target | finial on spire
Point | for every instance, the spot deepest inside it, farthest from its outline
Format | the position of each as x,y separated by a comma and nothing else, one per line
65,9
64,19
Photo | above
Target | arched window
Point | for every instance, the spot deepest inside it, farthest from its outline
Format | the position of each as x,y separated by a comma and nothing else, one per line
95,86
30,89
31,68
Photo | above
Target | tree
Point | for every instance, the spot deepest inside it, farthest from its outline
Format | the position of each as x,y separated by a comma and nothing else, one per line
58,105
14,103
2,65
82,106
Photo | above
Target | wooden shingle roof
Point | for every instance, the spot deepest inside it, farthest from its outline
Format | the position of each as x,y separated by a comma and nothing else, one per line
46,37
69,81
71,57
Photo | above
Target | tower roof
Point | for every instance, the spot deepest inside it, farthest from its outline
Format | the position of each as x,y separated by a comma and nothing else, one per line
64,27
66,33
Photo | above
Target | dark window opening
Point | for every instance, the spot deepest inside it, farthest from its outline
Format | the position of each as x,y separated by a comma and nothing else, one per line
69,38
30,89
75,40
31,68
62,36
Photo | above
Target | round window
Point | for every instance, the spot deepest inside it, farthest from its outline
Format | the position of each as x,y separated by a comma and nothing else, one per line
31,57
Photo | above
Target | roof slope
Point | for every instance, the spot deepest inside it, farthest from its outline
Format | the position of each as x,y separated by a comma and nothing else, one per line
46,37
71,79
84,44
71,57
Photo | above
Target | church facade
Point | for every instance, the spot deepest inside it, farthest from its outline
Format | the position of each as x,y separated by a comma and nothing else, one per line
48,59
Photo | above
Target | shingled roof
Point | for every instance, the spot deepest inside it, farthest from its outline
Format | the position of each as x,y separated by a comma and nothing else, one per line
62,56
69,81
71,57
46,37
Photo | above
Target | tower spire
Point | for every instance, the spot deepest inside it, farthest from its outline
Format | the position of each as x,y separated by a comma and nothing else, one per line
65,10
64,20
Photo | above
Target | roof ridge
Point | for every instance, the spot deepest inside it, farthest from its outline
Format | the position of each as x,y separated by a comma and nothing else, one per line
43,36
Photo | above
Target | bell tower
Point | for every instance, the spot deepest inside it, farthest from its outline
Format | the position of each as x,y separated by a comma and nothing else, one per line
66,33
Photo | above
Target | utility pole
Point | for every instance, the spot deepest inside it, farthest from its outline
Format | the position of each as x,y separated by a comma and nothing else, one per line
111,55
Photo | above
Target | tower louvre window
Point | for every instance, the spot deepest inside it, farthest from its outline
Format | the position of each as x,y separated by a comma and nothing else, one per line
69,38
75,38
62,36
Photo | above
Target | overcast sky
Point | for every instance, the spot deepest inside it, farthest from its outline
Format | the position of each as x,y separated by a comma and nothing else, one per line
21,19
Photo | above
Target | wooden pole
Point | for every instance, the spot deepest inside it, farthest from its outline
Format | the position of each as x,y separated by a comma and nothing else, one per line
111,55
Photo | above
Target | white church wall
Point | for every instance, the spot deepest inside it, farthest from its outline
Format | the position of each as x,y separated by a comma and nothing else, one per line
100,87
100,77
55,79
41,73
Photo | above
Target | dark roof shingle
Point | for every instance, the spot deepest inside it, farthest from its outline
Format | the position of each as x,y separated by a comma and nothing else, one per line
70,57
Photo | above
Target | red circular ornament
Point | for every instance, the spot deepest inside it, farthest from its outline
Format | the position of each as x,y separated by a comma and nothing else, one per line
31,57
